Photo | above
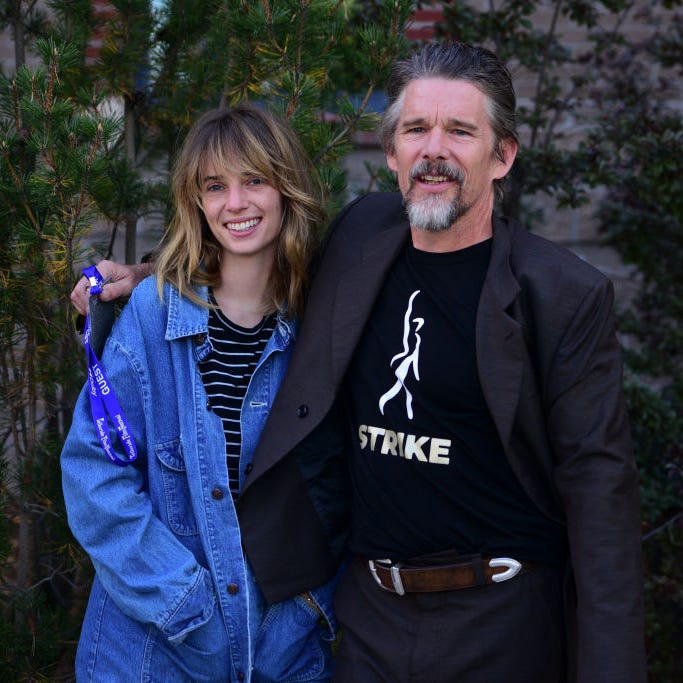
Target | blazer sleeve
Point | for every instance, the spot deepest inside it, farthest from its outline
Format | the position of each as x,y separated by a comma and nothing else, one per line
597,482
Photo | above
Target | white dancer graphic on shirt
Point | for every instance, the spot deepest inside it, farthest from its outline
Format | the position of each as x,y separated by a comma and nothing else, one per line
410,360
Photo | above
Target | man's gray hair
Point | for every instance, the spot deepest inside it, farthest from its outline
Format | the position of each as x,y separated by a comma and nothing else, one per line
455,61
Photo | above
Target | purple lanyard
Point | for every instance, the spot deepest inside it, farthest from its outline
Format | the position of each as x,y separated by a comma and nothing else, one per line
103,402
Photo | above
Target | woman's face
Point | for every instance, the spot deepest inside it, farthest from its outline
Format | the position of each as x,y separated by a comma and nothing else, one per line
243,211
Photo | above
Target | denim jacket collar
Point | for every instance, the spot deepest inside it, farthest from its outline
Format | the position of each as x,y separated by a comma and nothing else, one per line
186,318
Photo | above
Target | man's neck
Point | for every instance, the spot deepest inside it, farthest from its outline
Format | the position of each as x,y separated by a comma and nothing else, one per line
465,232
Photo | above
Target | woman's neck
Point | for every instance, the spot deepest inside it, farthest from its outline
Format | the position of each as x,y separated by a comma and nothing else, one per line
243,293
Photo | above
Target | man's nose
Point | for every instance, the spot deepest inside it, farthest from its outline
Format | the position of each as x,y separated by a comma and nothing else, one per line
435,145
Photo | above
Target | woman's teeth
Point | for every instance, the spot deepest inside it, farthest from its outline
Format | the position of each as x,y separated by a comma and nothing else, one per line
244,225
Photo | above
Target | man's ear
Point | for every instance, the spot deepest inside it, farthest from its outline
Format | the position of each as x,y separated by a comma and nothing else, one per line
391,162
508,152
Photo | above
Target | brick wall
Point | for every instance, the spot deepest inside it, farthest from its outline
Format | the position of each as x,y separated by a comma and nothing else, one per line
7,57
103,10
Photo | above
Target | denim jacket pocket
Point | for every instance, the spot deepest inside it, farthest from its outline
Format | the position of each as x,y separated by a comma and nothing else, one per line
292,645
203,656
181,519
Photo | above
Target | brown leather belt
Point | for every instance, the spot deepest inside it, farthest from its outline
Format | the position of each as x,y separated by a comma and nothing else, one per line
467,572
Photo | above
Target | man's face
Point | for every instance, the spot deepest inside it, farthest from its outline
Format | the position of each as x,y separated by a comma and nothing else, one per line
443,153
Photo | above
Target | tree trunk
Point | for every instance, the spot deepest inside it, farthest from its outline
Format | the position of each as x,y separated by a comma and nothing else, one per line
19,44
131,218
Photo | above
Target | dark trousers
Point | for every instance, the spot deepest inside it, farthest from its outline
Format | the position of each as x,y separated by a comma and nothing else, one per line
511,632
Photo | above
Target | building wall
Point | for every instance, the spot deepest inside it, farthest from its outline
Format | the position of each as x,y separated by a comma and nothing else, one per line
7,56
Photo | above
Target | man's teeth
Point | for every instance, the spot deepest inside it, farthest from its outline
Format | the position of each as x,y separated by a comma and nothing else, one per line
244,225
434,178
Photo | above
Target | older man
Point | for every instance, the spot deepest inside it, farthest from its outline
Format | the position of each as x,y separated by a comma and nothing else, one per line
495,513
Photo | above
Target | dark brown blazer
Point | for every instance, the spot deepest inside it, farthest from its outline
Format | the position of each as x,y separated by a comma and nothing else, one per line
551,371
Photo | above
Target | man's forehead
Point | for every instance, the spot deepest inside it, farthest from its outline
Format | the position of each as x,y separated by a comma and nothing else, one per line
426,98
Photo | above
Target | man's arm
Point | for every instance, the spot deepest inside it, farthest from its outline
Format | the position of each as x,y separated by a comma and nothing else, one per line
122,279
597,480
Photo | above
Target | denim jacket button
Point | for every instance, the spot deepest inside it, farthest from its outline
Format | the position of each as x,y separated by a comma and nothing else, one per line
240,675
217,494
208,404
302,410
199,339
233,589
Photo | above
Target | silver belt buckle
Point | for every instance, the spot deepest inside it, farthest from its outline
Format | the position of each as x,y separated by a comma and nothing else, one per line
394,570
513,568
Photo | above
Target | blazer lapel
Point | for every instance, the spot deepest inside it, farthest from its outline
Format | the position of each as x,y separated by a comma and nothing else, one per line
357,290
499,337
339,305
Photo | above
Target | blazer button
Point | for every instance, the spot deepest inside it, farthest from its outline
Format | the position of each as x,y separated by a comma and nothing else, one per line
248,468
302,410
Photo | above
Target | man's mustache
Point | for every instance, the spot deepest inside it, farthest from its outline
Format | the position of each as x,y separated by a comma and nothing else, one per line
439,168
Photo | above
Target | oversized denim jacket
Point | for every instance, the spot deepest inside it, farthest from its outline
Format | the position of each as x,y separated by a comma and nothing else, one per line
173,598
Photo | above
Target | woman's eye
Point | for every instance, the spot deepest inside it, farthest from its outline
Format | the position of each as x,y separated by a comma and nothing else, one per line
214,187
256,181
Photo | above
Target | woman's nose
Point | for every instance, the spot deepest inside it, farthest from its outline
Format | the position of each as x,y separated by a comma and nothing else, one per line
235,198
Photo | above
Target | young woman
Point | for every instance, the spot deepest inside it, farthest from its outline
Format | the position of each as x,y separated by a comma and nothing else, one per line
195,360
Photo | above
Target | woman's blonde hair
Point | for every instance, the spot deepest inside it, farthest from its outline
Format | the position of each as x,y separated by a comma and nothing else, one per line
243,139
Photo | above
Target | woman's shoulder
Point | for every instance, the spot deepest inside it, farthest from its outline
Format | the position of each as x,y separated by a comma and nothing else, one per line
146,289
145,311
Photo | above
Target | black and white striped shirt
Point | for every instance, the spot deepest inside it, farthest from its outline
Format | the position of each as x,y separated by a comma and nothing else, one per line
226,372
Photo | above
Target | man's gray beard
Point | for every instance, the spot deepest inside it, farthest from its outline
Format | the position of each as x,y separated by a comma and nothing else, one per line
433,213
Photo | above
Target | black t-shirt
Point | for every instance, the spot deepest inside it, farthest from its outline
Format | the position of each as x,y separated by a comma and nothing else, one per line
428,470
